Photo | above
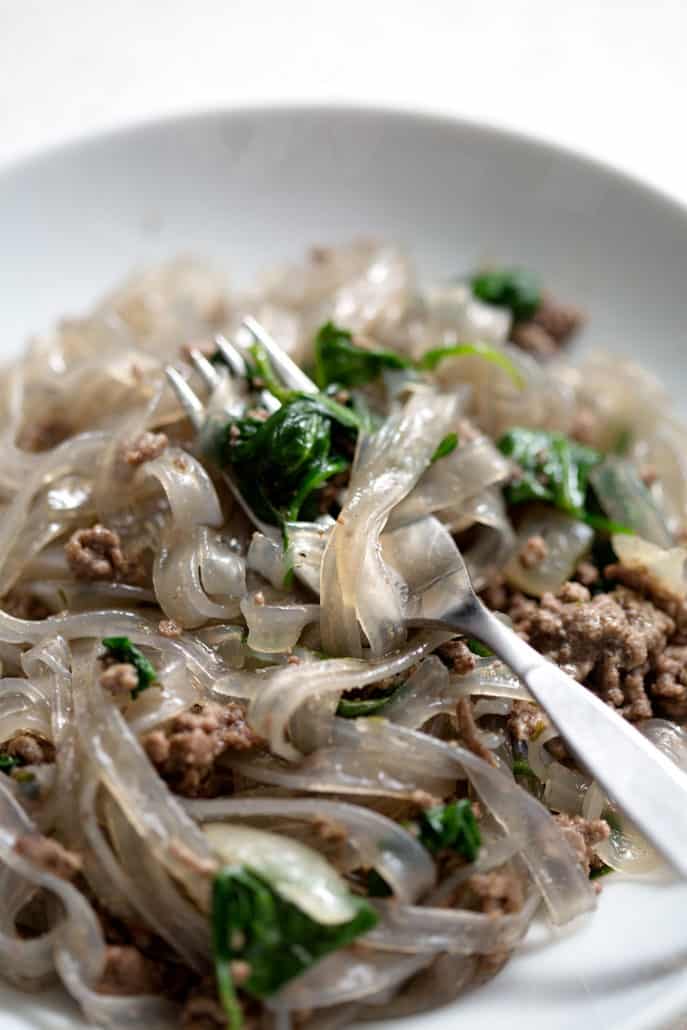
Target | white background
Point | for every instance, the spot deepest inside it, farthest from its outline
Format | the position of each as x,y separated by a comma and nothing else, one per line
607,77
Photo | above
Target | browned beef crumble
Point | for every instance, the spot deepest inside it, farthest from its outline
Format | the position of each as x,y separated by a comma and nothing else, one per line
186,751
30,748
628,644
550,328
21,603
610,642
95,553
534,339
128,971
526,720
587,574
119,678
457,656
583,835
169,628
499,892
145,447
43,436
533,551
48,854
469,734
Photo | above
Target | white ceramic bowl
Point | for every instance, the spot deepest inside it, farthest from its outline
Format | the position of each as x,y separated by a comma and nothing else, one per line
249,187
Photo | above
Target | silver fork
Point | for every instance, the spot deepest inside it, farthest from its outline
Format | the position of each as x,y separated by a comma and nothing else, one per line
233,353
650,789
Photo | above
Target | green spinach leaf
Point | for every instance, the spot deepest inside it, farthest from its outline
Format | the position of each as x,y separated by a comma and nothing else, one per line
122,650
555,469
512,288
276,940
431,358
354,708
7,763
446,446
280,462
452,826
339,360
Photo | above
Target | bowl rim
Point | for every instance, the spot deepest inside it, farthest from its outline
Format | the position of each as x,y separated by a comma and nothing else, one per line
418,116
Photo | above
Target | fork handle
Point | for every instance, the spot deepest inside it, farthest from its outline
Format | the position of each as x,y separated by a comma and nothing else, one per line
649,788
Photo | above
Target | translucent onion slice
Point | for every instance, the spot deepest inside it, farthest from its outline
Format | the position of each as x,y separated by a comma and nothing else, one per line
566,540
298,873
626,849
626,500
664,567
378,842
448,483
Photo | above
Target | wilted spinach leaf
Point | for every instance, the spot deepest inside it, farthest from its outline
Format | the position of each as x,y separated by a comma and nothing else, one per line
513,288
451,826
122,650
431,358
278,463
339,360
251,923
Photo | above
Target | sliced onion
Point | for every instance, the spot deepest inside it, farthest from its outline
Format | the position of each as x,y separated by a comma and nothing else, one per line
664,568
566,540
378,842
626,500
298,873
448,483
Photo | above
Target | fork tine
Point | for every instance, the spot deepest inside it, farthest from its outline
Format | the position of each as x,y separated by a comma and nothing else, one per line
287,370
205,369
231,355
189,401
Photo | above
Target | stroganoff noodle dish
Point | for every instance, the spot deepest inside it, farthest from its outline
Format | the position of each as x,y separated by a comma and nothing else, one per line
236,789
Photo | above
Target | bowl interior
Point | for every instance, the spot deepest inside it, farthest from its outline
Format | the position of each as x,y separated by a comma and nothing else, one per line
251,187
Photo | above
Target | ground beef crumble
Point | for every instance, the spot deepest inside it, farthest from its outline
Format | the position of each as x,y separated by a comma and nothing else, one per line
29,749
628,643
550,327
583,836
457,656
128,971
95,553
169,628
186,751
469,733
119,678
533,551
48,854
526,720
145,447
499,892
